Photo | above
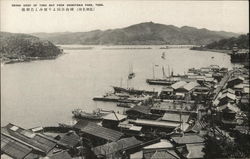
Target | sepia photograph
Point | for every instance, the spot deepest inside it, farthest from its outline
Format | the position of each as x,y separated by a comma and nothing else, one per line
115,79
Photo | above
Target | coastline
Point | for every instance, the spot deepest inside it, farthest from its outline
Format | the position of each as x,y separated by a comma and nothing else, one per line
212,50
26,59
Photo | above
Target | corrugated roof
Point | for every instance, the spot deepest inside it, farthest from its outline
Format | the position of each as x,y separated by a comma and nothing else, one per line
190,86
13,148
176,117
113,147
99,131
195,151
188,139
178,84
114,116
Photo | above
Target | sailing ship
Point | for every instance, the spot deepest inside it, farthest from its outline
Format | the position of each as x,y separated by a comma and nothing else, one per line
166,80
131,73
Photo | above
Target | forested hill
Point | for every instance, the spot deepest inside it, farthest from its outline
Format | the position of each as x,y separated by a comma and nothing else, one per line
21,46
226,44
148,33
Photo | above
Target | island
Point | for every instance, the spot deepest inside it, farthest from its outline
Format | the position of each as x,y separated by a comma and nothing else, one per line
23,47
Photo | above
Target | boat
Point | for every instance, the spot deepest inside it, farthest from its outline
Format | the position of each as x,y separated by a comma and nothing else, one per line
166,47
163,55
131,74
166,80
79,113
133,91
125,105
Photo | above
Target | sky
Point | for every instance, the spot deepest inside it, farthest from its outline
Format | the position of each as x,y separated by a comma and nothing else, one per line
214,15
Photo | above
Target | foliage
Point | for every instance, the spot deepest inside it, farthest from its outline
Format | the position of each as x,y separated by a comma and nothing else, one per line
227,44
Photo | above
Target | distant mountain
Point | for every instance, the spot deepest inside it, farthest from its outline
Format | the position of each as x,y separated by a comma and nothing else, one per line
143,33
24,46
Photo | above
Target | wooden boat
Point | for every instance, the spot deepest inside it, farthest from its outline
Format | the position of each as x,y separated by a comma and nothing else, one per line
132,91
131,74
125,105
78,113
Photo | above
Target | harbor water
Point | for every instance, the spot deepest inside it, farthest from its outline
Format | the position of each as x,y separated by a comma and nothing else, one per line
43,93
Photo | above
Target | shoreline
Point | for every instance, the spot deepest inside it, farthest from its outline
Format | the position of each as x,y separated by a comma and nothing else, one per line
27,59
212,50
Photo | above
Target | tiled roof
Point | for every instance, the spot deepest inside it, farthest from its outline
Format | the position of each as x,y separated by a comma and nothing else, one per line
13,148
162,155
190,86
71,139
140,109
99,131
176,117
37,141
113,147
60,155
178,84
188,139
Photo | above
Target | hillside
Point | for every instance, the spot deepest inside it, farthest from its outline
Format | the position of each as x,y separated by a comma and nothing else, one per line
143,34
227,44
24,46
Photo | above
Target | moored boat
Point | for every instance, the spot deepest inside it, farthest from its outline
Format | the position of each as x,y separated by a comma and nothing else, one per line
96,115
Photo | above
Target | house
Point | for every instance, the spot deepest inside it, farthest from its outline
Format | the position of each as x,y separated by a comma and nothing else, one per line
59,155
17,142
138,111
187,139
98,134
166,93
234,81
176,117
112,120
154,125
227,112
116,149
195,151
226,98
130,129
70,139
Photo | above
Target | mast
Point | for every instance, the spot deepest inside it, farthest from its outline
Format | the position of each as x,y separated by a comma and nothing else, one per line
163,72
153,71
121,82
168,71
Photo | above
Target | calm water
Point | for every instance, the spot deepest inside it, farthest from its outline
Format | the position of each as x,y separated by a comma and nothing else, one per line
45,92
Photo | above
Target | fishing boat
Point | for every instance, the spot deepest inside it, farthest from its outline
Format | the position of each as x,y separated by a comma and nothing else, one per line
79,113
